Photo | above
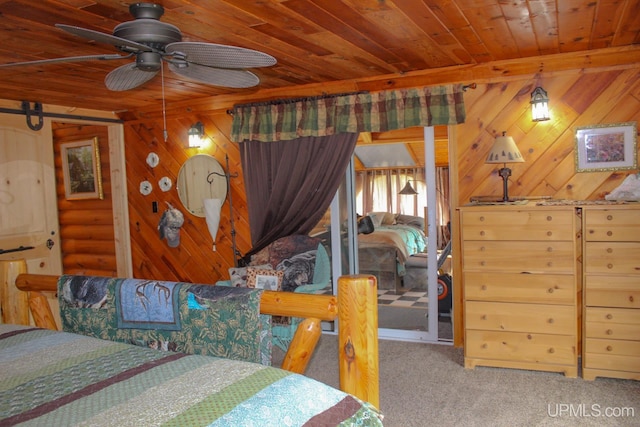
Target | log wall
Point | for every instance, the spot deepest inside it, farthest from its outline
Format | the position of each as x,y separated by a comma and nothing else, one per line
86,226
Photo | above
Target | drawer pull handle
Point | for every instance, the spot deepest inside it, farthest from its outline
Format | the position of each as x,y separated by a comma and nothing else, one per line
529,337
481,218
549,233
609,332
484,346
482,263
483,317
482,233
609,266
609,217
550,321
609,233
550,249
550,290
552,350
550,264
483,287
609,348
609,316
609,250
630,298
549,218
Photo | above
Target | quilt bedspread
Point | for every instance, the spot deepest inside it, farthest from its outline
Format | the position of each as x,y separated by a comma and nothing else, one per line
57,378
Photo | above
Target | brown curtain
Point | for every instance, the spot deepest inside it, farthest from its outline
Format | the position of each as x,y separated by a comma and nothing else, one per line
290,184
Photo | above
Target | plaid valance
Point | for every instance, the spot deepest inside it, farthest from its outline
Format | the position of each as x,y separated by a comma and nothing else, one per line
351,113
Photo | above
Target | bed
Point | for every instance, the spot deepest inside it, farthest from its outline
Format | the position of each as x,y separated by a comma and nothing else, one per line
50,377
385,252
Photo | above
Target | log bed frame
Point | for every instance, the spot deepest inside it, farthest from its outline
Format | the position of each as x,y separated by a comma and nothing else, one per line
355,308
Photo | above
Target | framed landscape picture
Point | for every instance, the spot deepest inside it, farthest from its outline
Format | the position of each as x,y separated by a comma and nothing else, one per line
81,170
607,147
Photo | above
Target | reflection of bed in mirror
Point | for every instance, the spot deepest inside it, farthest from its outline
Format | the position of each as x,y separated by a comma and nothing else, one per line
385,252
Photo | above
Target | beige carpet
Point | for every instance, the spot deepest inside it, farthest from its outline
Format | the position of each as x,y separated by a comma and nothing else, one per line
427,385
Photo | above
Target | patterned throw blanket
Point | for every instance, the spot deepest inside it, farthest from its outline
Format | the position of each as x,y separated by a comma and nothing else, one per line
183,317
50,378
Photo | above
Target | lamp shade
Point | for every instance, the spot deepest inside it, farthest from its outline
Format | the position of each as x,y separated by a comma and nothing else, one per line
504,150
408,189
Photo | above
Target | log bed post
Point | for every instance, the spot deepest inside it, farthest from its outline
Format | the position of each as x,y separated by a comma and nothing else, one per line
355,308
358,337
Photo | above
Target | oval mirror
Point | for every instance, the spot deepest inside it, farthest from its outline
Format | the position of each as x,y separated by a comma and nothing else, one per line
201,177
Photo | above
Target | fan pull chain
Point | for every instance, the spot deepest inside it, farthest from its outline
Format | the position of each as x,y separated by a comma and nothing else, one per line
164,112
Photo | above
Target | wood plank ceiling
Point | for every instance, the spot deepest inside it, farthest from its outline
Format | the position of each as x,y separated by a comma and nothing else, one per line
315,42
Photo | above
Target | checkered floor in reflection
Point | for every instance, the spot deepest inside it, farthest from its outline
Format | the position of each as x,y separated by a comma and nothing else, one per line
409,298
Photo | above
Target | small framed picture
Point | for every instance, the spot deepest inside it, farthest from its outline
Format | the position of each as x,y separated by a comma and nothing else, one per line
607,147
81,170
269,280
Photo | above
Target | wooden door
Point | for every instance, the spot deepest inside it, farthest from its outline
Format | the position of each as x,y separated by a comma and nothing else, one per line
29,237
28,209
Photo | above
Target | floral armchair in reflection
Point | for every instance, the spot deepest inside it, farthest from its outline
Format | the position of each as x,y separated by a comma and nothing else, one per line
299,263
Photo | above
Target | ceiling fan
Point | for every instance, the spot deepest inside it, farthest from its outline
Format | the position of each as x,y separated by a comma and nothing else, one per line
151,42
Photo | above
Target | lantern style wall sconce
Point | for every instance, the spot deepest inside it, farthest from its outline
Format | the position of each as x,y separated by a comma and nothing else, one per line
539,105
196,135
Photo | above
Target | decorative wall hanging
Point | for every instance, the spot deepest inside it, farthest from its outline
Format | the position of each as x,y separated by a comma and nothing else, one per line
606,147
81,170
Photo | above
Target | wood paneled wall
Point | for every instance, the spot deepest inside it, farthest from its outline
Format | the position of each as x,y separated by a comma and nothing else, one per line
194,260
576,99
86,226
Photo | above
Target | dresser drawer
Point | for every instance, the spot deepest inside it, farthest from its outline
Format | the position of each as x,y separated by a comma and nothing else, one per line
518,225
519,257
520,346
612,225
513,317
612,323
612,258
520,287
612,354
608,291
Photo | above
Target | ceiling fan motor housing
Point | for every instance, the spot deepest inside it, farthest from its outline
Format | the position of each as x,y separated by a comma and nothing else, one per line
146,27
148,30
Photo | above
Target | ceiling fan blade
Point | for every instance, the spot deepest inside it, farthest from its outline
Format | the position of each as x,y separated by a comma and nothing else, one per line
67,59
219,56
127,77
105,38
216,76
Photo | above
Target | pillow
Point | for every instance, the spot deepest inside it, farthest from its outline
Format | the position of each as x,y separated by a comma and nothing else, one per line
267,279
384,218
298,270
376,218
238,275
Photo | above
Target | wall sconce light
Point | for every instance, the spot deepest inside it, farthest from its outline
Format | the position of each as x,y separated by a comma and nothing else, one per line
504,151
196,135
408,189
539,105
